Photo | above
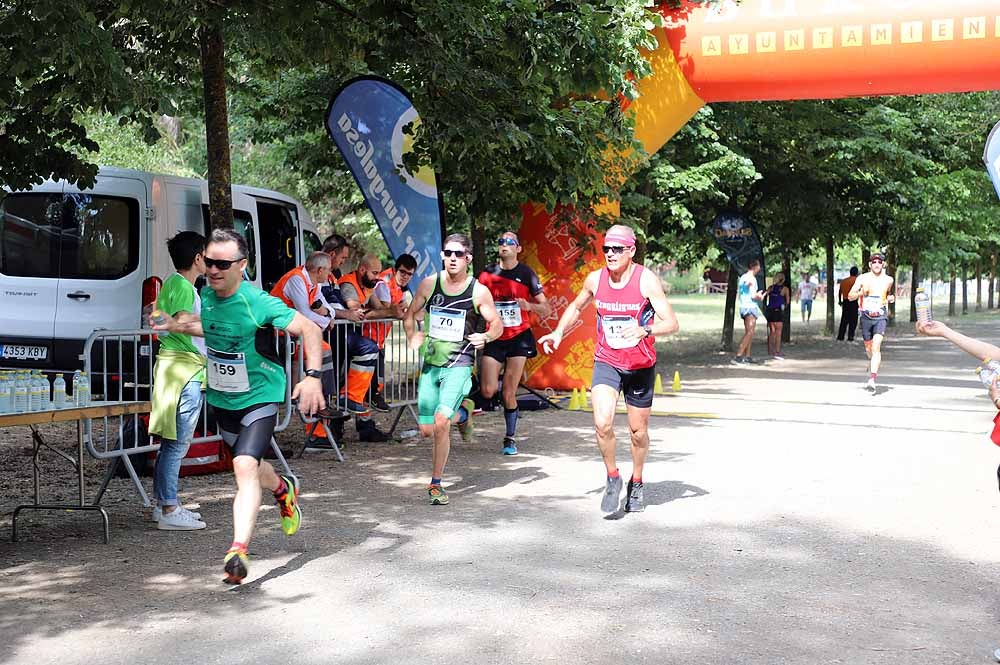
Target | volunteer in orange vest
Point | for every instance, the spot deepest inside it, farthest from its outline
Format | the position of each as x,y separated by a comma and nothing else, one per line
299,289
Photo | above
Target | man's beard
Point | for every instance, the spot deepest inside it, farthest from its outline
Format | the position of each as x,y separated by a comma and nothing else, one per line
368,283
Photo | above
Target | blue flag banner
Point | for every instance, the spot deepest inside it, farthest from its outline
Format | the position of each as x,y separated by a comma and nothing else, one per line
366,119
992,157
737,237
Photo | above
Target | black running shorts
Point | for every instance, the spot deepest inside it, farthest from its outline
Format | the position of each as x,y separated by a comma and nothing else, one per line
522,344
872,327
636,384
248,431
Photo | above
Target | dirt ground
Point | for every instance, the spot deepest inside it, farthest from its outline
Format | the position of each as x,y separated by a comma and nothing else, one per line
792,517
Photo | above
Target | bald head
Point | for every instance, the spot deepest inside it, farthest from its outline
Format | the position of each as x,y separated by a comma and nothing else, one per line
369,267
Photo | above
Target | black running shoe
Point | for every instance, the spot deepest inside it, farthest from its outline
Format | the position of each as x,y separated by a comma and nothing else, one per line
609,503
377,402
634,503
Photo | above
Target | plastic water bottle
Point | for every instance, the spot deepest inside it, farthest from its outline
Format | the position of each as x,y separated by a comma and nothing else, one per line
988,371
922,304
83,390
20,394
158,317
76,381
59,392
36,391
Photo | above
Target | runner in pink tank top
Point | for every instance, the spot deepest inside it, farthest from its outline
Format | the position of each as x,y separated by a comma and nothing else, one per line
631,310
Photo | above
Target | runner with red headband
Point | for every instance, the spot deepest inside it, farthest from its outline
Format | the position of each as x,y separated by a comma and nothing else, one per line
874,289
632,309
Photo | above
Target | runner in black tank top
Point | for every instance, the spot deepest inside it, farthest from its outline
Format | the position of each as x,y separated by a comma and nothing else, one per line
459,309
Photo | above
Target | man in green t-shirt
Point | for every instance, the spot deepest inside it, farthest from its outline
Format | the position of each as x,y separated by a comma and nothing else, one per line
177,379
246,382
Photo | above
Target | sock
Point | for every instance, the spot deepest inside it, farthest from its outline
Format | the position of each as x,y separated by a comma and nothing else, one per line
435,481
510,417
281,488
241,547
636,481
463,414
873,375
613,474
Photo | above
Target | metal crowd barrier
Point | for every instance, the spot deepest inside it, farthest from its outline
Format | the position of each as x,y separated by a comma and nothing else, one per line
397,369
119,365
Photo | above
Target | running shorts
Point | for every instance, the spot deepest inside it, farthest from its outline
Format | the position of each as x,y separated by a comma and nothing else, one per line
872,327
774,315
248,431
441,390
636,384
521,345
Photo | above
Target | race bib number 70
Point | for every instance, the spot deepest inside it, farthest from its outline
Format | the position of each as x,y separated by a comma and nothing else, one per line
447,325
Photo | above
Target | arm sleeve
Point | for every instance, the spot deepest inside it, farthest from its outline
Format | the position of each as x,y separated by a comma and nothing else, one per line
295,290
536,285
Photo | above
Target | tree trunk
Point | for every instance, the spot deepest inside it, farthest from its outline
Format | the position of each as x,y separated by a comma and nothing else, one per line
830,300
979,286
952,292
993,272
865,256
965,289
890,269
730,313
914,285
478,244
213,72
786,267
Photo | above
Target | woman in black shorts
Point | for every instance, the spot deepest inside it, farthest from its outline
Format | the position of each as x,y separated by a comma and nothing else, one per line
776,300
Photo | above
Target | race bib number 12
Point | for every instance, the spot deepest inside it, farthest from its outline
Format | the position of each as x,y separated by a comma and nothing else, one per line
614,331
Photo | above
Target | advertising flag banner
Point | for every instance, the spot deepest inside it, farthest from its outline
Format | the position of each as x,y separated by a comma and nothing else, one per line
737,237
991,157
366,120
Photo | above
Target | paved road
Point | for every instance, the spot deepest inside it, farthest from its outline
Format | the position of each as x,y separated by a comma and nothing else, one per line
807,521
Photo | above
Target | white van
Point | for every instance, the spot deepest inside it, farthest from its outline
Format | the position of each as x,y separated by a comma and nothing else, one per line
75,260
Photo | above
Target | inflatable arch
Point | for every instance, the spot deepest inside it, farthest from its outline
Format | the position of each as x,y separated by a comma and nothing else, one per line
764,50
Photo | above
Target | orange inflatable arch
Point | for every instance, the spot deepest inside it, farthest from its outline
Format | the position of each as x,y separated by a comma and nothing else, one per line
763,50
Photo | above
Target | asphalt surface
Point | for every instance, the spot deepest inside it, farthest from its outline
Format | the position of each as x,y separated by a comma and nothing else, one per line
792,517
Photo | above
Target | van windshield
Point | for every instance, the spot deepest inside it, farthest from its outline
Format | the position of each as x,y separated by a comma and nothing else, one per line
79,236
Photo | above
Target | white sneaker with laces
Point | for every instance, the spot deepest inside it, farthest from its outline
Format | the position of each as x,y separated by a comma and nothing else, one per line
870,385
158,512
179,520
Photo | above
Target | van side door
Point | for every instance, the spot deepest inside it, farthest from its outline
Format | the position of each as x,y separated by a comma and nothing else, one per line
102,259
30,224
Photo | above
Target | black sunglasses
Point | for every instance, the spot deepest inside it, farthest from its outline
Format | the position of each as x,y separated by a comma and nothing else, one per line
613,249
221,264
457,253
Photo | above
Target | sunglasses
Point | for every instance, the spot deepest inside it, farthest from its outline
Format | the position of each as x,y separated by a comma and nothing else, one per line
508,242
613,249
221,264
457,253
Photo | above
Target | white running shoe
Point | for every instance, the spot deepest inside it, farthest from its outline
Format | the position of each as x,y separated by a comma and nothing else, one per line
870,385
179,520
157,512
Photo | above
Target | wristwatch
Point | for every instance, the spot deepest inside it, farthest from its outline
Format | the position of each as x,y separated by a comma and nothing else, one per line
649,330
314,374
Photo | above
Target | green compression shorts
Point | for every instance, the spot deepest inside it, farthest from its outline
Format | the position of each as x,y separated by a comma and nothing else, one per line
441,390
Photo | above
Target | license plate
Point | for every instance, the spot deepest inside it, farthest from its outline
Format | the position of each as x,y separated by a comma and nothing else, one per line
23,352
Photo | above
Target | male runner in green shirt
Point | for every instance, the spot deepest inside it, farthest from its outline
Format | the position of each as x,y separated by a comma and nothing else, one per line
246,382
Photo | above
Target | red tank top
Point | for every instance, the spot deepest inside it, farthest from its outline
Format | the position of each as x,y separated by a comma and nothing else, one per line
616,309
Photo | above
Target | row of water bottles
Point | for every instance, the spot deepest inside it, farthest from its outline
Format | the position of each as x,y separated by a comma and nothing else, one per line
22,391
